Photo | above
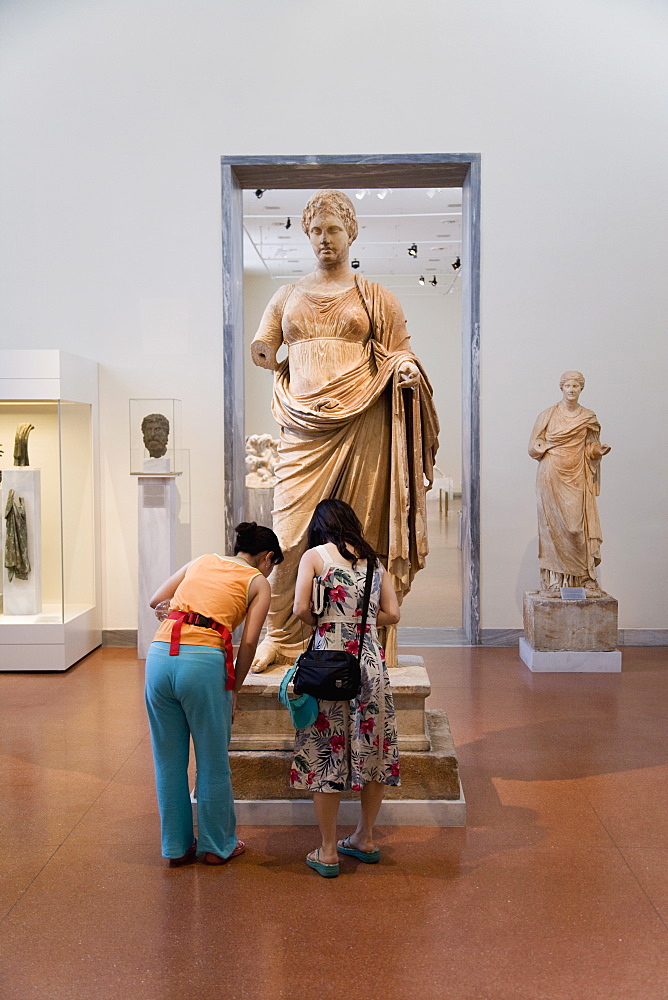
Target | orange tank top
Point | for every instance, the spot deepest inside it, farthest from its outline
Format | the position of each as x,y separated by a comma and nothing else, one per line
216,587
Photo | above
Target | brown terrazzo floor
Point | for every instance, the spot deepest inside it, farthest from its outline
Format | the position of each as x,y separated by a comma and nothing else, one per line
557,890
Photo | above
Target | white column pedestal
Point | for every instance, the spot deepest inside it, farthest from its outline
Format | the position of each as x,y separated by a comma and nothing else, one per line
570,661
157,532
24,597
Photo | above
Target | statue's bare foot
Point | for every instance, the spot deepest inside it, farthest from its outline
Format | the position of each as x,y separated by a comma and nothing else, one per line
592,589
552,592
266,654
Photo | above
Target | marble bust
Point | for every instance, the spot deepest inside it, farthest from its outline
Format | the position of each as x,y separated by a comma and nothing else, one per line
155,431
565,442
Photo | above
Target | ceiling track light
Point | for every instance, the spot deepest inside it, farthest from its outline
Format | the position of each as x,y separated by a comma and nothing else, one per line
361,193
288,223
412,250
355,263
433,281
259,192
383,193
421,280
456,264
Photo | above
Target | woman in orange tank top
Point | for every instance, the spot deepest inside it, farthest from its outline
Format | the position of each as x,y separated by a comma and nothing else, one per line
192,685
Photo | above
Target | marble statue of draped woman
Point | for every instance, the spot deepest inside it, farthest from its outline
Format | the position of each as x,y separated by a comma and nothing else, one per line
565,441
357,423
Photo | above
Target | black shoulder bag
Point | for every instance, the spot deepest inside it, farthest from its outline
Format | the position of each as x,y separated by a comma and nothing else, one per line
333,674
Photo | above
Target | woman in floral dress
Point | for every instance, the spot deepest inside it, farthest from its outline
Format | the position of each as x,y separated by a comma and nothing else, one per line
351,744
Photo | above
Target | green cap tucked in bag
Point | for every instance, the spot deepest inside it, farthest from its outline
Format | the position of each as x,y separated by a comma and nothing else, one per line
304,709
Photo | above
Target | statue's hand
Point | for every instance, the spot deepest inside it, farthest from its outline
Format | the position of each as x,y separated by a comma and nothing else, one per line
263,355
408,375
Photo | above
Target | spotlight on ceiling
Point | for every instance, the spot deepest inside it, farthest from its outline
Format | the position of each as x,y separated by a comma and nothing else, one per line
412,250
288,223
421,280
383,193
259,192
432,191
355,263
433,281
456,264
360,194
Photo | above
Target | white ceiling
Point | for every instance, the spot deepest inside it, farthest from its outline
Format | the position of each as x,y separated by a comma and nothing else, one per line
388,226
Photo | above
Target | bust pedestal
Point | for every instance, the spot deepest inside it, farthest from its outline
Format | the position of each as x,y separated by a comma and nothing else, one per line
570,636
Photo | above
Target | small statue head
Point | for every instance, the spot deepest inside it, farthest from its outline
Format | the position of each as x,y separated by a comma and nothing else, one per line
155,429
330,203
571,385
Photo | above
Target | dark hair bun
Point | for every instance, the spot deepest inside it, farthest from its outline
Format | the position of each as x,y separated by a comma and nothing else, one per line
253,538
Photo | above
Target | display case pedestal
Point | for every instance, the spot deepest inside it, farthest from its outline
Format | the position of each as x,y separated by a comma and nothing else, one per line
157,536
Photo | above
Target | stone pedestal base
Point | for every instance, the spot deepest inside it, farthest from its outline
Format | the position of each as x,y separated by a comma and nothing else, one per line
396,812
157,560
428,774
570,661
551,624
262,723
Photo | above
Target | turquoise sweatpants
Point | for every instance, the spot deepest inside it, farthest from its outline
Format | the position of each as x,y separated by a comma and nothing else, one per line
186,695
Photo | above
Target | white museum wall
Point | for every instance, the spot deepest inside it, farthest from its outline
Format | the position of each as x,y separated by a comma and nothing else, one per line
115,115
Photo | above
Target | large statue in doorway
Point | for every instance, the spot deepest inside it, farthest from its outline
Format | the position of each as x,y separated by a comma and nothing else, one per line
566,442
356,415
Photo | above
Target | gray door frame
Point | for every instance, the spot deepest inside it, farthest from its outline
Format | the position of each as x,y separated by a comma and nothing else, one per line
350,171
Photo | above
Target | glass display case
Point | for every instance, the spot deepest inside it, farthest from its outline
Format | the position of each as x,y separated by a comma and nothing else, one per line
155,437
48,536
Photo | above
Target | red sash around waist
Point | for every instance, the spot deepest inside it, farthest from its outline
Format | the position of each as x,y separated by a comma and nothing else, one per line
192,618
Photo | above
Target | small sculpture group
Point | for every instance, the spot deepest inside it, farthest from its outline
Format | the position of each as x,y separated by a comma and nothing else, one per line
261,459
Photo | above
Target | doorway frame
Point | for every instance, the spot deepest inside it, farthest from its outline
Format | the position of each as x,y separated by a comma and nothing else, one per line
460,170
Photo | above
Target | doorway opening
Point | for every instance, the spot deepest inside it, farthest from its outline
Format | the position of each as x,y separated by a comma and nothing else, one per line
435,198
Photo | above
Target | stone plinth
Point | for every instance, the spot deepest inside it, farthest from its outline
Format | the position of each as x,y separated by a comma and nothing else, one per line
262,723
425,776
565,661
551,624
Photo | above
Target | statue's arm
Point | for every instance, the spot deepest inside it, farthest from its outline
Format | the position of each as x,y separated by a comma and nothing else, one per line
398,339
537,442
269,336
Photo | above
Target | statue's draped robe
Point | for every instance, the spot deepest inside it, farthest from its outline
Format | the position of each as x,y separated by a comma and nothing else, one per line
347,431
17,562
567,484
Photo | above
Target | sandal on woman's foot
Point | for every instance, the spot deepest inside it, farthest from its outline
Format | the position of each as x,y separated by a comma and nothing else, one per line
327,871
368,857
185,859
215,859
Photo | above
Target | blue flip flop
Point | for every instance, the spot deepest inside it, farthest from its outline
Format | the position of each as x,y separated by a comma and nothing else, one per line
368,857
327,871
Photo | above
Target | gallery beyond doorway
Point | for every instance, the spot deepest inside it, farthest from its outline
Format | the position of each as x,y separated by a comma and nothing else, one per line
429,173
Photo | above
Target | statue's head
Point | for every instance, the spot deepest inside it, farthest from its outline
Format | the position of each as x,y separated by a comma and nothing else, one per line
155,430
572,377
331,203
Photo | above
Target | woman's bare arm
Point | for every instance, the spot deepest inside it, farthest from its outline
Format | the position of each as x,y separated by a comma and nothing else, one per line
310,565
166,590
388,609
259,594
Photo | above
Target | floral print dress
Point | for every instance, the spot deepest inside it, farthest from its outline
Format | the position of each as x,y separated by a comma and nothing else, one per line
350,742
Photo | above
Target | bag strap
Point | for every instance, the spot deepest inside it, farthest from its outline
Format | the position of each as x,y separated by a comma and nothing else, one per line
365,607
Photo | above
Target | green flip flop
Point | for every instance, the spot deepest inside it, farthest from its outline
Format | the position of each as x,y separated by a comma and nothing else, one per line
368,857
327,871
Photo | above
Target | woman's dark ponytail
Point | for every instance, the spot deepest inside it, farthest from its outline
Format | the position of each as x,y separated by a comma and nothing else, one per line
254,538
